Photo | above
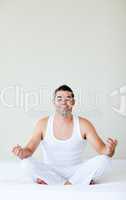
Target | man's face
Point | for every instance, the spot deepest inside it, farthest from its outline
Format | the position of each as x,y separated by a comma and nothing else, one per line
64,102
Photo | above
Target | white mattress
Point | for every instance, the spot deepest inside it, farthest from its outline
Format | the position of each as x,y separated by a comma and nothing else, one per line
13,185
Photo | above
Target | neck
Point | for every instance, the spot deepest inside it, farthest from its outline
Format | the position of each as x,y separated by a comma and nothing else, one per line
62,117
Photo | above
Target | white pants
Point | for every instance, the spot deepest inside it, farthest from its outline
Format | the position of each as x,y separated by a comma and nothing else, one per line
78,174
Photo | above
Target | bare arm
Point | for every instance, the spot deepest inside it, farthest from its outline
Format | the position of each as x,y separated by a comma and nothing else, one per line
107,148
33,143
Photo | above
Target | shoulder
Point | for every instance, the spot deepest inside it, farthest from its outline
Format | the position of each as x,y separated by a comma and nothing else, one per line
41,125
84,120
42,121
85,124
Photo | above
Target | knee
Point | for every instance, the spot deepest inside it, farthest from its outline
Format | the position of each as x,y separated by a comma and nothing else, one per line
26,163
104,160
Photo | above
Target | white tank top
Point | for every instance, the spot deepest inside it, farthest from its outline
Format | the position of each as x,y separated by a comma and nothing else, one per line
66,152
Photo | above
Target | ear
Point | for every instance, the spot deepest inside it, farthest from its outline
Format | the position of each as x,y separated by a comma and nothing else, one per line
73,102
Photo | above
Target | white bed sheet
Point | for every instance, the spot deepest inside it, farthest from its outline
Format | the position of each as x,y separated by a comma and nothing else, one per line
13,185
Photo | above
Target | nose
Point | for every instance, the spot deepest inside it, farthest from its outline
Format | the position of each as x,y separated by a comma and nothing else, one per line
63,102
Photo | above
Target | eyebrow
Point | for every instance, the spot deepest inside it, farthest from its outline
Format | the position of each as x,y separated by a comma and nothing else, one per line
62,97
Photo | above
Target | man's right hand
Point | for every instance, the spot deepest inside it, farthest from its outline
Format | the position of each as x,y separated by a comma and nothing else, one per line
18,151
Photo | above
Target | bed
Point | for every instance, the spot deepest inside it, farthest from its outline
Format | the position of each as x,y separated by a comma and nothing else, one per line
13,185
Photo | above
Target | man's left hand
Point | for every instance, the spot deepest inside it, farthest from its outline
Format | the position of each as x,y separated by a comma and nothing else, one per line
110,146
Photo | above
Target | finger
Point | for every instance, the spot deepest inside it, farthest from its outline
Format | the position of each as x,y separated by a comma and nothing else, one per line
110,139
113,140
20,153
110,146
116,142
16,150
18,146
15,147
110,142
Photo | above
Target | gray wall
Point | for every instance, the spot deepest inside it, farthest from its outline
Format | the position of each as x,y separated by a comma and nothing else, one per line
44,44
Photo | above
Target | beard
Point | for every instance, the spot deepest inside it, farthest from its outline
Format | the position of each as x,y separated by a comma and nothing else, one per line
64,112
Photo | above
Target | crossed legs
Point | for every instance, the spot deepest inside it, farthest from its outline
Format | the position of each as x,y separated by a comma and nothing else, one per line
85,173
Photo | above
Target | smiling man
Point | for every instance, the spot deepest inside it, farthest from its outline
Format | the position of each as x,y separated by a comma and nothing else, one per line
63,137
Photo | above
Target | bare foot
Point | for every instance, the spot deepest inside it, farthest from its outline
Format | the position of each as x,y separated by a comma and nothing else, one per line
40,181
92,182
67,183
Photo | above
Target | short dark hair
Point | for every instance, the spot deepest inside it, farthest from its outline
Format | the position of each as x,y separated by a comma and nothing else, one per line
64,88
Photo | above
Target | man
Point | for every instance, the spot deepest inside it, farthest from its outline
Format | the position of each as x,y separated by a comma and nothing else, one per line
62,137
